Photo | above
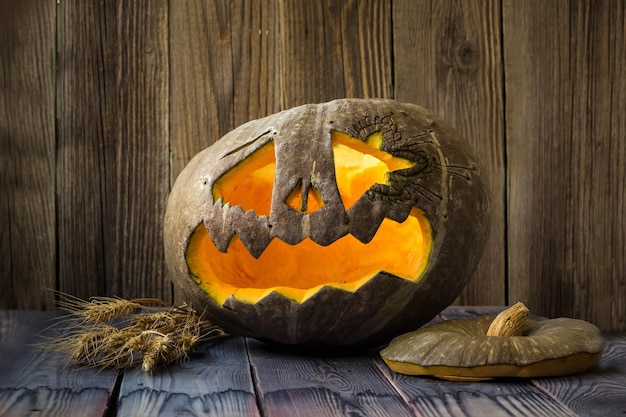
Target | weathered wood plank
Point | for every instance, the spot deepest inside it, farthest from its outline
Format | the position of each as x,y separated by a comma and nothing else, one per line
142,165
27,154
431,397
86,142
113,147
35,382
447,58
216,381
565,129
599,392
304,384
334,49
224,70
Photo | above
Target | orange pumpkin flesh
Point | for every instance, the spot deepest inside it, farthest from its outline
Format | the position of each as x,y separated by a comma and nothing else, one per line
299,271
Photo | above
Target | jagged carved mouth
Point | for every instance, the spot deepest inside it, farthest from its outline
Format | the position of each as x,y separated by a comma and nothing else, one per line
294,233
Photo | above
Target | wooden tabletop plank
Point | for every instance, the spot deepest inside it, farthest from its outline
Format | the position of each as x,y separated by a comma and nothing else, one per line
432,397
36,382
469,311
601,391
466,312
215,381
246,377
292,383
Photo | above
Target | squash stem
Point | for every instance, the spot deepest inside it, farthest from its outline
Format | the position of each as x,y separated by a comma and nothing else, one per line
510,322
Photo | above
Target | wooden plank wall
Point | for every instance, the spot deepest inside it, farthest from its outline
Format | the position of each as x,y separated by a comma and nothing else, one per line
103,103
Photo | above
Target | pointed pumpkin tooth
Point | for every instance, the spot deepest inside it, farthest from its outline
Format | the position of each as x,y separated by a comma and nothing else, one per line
327,224
217,225
254,233
365,217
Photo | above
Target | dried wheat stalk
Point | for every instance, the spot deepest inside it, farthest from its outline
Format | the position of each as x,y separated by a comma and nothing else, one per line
119,333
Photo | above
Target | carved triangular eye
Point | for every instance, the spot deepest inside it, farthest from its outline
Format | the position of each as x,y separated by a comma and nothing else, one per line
363,164
249,182
305,198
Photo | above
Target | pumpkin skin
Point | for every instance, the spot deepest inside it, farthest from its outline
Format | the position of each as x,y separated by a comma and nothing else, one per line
432,181
460,350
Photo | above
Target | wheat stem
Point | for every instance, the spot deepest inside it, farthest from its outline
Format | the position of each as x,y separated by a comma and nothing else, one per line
119,333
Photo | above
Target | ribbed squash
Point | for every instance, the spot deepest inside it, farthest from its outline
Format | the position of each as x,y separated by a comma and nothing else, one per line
503,346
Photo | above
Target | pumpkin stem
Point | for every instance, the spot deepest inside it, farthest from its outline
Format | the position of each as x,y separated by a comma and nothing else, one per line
510,322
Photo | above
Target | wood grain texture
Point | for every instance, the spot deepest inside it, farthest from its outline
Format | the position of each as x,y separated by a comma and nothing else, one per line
599,392
142,165
224,379
565,141
466,312
431,397
27,154
447,58
35,382
224,70
103,103
335,49
216,381
86,147
112,148
306,384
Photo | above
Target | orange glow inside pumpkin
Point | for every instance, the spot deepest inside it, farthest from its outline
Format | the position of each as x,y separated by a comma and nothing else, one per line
299,271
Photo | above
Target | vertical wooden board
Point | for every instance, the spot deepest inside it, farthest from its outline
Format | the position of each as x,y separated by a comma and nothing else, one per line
617,181
36,382
565,128
27,154
335,49
113,148
538,80
295,383
598,392
86,147
447,58
224,66
598,188
216,381
142,148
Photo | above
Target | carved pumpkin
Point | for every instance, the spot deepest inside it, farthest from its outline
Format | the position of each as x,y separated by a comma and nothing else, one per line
339,224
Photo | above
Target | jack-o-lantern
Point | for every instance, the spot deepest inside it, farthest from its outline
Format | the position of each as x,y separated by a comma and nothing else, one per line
340,224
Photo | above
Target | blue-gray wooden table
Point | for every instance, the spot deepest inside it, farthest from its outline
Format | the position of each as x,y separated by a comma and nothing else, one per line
245,377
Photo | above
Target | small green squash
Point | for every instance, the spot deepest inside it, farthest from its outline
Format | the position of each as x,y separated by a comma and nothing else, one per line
490,346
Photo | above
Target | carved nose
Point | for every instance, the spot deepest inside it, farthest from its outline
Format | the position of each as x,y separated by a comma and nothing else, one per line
305,198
